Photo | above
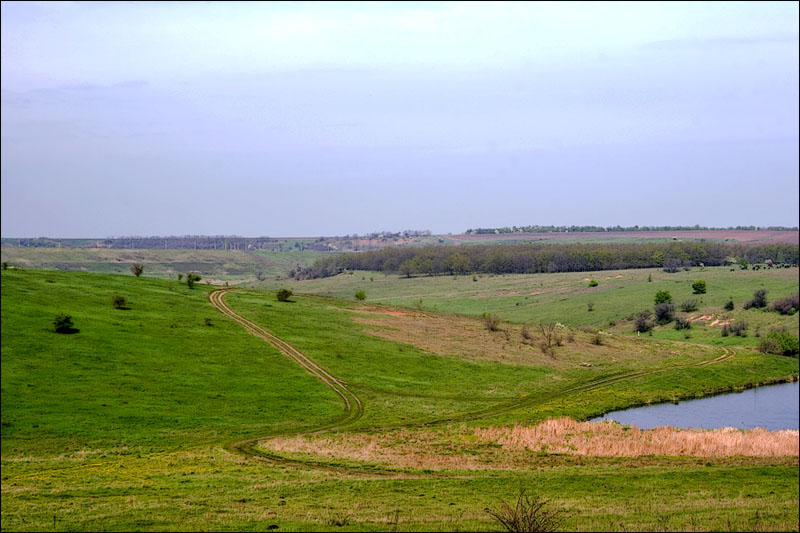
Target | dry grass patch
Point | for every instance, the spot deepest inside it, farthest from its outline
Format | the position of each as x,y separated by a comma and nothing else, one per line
468,338
521,447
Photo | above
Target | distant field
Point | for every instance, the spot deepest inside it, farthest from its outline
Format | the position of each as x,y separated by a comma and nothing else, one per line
230,265
733,236
564,297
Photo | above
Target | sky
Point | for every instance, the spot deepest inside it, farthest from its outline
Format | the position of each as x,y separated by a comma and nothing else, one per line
306,119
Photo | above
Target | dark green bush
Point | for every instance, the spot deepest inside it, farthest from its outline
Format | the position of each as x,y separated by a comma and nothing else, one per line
699,287
63,323
663,297
284,295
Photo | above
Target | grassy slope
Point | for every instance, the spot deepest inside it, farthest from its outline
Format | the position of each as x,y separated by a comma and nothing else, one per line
209,386
153,377
229,265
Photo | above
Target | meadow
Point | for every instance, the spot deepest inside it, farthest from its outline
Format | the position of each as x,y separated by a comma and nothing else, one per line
130,423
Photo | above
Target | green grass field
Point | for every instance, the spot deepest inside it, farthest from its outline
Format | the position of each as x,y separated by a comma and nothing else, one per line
125,424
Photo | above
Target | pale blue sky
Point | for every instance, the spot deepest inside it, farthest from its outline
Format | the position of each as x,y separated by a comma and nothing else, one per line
331,118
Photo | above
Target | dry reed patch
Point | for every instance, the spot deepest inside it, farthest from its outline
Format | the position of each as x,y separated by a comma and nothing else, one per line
521,447
610,439
468,338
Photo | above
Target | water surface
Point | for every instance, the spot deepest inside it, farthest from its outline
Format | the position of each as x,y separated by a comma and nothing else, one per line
772,407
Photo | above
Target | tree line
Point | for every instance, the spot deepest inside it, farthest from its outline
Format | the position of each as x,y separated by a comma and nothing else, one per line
531,258
585,229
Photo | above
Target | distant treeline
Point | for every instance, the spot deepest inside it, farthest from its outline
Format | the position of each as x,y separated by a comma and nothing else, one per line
537,257
587,229
186,242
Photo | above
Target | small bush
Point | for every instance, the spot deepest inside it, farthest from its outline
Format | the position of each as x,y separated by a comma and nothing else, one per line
137,269
526,333
474,277
758,301
284,295
491,322
643,322
664,313
699,287
786,306
119,302
663,297
530,514
361,295
63,323
737,327
729,305
597,339
180,276
689,305
207,322
590,306
681,322
672,265
5,265
779,343
650,277
593,283
191,278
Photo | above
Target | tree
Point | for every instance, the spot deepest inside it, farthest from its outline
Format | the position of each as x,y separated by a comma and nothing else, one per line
63,323
549,331
699,287
180,277
191,278
119,302
137,269
284,295
663,297
729,305
261,277
361,295
457,263
744,263
5,265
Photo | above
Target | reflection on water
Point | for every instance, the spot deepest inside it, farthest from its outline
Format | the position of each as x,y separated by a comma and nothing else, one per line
772,407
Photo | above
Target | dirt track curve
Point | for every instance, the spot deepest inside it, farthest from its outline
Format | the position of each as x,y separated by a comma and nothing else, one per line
354,408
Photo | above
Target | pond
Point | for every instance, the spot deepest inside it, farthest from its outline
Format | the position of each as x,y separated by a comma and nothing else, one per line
772,407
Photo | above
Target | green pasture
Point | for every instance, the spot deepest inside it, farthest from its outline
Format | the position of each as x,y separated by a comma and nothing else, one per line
121,426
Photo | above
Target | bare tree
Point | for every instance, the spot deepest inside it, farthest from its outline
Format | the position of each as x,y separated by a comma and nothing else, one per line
549,331
137,269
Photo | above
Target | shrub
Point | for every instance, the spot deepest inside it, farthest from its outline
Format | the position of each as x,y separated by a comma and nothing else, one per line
208,322
699,287
590,306
737,327
597,339
729,305
681,322
137,269
5,265
650,277
119,302
593,283
180,276
529,514
191,278
779,343
672,265
491,322
664,313
786,306
689,305
663,297
759,300
63,323
525,332
643,322
361,295
284,295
